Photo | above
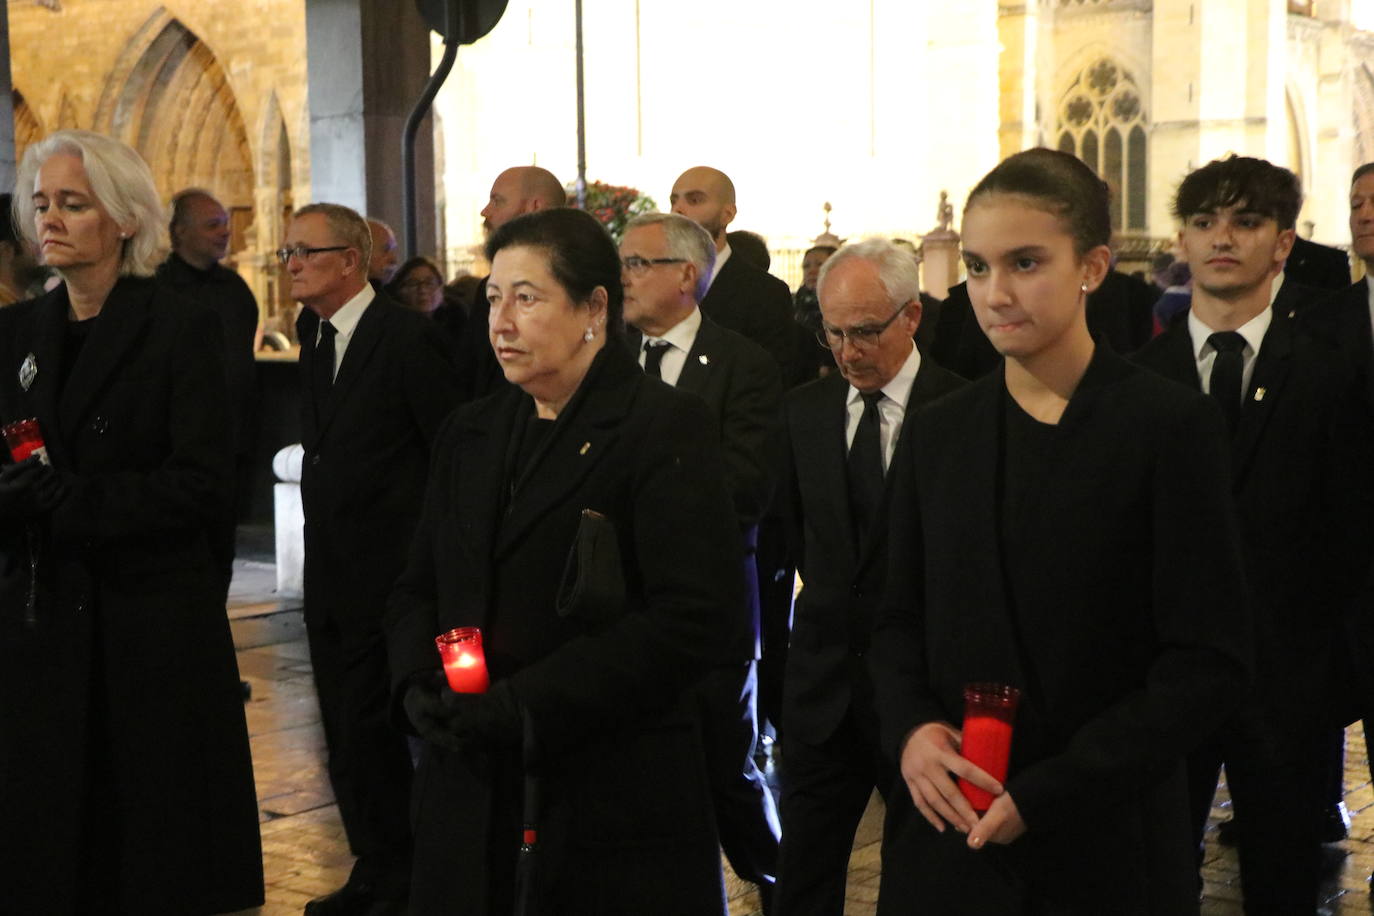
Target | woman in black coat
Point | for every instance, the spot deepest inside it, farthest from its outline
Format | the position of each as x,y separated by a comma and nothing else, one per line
125,779
1064,527
595,678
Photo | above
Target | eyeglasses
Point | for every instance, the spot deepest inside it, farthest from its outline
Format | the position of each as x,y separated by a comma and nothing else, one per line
301,252
423,283
636,265
863,335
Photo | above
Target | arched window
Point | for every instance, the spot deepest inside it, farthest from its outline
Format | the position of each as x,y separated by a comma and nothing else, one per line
1102,105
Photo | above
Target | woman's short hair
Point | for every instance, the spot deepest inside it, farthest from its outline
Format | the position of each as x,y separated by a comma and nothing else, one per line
1058,183
896,267
581,256
409,267
121,182
686,240
346,225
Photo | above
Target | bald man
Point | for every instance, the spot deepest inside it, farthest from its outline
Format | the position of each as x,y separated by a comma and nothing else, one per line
741,297
385,259
515,192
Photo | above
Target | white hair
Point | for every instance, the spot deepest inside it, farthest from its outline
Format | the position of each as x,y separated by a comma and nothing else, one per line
897,269
687,240
122,184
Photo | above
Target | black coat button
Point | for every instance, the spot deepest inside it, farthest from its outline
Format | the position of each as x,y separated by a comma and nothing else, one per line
100,426
315,459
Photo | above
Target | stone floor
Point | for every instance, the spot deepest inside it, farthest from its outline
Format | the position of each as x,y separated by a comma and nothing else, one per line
304,853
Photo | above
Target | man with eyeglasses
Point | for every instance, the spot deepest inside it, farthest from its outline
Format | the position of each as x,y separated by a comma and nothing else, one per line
666,260
381,267
377,380
842,432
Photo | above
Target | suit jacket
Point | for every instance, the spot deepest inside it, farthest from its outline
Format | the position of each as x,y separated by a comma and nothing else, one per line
1342,321
367,457
740,384
1126,632
1120,311
129,610
1317,266
1300,457
627,819
758,305
843,569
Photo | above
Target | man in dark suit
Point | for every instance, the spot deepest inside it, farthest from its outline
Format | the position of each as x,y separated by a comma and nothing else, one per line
377,381
516,191
1297,453
842,433
200,239
666,259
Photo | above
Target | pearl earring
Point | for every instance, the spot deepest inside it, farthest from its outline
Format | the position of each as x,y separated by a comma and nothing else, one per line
590,335
1083,287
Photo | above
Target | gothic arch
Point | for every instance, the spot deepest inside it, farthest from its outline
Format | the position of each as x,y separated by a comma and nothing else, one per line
170,99
1298,152
275,203
1100,118
27,128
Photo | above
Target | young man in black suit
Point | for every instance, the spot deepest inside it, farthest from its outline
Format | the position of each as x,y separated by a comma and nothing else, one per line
1297,453
377,380
842,433
666,259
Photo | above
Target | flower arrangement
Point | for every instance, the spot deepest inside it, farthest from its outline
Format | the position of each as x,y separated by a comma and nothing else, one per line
614,206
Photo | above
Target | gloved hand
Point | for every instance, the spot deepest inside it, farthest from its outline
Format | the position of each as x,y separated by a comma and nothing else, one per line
463,720
29,489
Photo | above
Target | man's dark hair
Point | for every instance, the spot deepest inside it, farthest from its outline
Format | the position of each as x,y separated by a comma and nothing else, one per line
751,247
1255,185
1362,171
581,256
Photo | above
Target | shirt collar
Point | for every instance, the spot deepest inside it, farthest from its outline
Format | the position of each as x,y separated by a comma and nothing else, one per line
1253,331
347,317
898,387
683,334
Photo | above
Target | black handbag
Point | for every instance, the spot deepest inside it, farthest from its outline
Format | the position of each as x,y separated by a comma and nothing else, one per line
593,587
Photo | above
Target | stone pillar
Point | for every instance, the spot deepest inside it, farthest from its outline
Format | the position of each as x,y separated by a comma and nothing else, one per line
7,162
939,262
368,63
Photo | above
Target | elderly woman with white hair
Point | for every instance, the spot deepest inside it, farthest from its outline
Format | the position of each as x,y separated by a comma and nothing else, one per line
126,784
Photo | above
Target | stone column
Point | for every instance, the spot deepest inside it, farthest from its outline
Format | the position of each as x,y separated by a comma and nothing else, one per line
368,63
7,162
939,262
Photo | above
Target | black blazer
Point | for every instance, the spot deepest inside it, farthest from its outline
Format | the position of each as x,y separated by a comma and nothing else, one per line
367,457
1126,632
758,305
1342,321
1300,457
1317,266
627,808
130,610
843,570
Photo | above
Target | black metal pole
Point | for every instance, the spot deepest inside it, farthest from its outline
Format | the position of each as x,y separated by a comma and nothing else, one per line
408,217
581,119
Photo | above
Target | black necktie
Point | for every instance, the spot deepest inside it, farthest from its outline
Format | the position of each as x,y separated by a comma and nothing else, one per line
654,351
323,369
1226,373
865,465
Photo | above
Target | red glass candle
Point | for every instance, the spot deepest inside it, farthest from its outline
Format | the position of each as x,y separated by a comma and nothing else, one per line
24,438
989,710
465,664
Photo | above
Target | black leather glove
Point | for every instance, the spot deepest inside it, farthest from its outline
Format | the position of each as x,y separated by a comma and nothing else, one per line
29,489
463,720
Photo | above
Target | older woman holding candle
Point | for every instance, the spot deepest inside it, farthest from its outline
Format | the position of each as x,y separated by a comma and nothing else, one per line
125,779
580,519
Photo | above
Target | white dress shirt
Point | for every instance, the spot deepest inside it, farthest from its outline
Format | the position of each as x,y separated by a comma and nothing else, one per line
680,338
891,409
345,322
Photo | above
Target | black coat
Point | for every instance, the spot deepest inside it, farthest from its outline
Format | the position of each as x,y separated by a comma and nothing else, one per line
833,616
1300,469
740,384
1126,634
1317,266
122,701
758,305
367,458
627,825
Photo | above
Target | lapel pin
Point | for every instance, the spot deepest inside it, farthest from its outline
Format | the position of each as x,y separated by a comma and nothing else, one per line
1259,394
28,371
586,447
704,359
